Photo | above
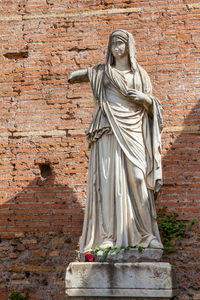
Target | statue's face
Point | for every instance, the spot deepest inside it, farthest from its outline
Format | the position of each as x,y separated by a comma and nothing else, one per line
118,48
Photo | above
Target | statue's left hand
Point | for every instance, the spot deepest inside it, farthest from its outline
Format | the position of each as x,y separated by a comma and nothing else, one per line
139,97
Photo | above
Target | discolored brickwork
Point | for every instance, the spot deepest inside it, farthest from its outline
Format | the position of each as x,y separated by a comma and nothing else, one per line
43,149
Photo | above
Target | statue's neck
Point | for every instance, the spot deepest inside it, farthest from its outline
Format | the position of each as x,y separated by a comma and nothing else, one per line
122,63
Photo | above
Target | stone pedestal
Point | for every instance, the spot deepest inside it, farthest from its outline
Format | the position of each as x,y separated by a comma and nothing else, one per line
141,280
131,256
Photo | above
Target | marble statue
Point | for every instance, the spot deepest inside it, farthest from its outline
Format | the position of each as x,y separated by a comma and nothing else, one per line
125,162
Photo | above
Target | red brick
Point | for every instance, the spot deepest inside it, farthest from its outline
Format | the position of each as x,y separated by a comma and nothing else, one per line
37,98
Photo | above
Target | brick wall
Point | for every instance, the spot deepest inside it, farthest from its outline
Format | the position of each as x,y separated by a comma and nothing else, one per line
43,149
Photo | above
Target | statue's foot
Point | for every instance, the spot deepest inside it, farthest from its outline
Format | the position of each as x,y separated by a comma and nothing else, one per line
106,244
155,244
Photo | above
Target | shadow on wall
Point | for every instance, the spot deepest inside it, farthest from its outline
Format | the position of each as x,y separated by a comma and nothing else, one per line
41,238
181,170
181,166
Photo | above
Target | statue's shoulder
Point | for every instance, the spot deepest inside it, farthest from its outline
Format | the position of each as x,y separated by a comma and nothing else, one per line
96,71
145,77
99,67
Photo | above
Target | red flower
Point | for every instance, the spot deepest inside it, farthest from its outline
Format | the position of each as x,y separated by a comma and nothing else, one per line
89,257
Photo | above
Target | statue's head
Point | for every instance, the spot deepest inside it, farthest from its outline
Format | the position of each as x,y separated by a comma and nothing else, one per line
121,43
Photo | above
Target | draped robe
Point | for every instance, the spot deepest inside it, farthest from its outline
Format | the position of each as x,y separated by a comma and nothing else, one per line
125,162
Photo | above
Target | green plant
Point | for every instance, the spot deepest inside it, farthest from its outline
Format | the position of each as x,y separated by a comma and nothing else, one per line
110,250
18,296
171,228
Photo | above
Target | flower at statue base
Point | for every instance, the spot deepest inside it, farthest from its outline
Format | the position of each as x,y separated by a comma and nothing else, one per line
89,257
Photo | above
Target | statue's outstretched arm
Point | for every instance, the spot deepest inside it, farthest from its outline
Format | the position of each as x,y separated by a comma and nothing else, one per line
79,76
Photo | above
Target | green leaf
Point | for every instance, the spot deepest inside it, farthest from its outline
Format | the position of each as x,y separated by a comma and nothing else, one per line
105,252
128,248
192,223
18,296
112,250
117,250
26,296
96,249
140,248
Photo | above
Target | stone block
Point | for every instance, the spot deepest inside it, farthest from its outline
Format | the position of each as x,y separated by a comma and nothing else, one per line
132,255
145,280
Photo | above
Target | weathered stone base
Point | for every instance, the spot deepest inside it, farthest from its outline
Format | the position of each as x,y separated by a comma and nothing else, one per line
131,256
116,297
145,280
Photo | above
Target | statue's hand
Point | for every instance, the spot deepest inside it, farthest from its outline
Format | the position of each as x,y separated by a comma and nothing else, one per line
79,76
139,97
70,79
